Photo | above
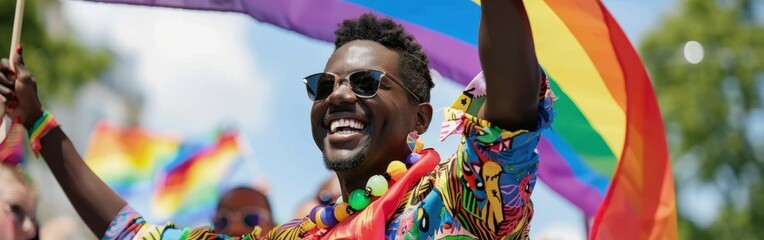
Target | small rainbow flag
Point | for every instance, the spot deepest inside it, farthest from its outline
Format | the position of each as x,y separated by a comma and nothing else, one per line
607,152
191,181
165,177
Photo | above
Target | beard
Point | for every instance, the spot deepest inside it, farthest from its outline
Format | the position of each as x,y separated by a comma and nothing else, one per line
346,163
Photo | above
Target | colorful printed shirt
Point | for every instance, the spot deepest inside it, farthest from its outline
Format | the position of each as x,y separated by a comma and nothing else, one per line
481,192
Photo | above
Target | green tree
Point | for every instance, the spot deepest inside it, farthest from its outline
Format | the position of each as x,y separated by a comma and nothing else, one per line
60,63
707,106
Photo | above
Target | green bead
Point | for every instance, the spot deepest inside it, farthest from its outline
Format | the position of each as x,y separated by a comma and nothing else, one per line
378,185
358,199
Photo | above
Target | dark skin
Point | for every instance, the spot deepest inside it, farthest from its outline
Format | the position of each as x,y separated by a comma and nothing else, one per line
507,56
388,116
511,69
236,202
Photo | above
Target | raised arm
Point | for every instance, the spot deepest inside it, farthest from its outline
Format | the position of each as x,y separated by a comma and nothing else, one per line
494,170
508,58
94,201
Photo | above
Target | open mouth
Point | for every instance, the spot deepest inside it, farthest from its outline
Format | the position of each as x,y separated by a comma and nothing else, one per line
345,126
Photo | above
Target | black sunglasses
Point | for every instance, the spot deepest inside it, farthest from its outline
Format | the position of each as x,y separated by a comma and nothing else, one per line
249,219
363,83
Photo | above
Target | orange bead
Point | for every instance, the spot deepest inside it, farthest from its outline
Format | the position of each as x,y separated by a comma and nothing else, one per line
341,211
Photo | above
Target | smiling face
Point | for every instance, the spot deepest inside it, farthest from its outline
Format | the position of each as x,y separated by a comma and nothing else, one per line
348,129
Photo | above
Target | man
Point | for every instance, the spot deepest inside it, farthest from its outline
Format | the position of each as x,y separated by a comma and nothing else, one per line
373,96
241,209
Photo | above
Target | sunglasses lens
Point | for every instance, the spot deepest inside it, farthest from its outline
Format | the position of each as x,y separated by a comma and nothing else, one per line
220,223
365,83
319,85
252,219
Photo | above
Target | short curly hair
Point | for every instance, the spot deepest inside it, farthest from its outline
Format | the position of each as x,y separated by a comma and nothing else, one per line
413,64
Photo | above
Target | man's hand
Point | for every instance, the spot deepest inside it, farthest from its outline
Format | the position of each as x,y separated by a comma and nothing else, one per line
18,90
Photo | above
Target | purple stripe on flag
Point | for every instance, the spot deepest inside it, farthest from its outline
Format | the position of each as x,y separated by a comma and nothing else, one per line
556,173
206,5
319,19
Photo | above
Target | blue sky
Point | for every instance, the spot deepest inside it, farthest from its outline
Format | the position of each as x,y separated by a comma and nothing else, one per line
200,70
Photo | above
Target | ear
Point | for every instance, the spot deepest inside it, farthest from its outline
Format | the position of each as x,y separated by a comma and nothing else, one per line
423,117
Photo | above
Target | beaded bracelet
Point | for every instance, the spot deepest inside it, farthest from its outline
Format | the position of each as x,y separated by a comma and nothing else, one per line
41,128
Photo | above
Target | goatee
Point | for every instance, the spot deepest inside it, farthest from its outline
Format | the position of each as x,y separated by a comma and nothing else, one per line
346,164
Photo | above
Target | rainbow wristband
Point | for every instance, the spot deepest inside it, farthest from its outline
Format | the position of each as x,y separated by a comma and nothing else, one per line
41,128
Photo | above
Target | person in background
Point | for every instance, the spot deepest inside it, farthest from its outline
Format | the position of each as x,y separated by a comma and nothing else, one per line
327,193
240,209
17,199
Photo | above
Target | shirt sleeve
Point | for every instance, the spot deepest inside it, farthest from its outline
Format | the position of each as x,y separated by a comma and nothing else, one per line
129,224
486,186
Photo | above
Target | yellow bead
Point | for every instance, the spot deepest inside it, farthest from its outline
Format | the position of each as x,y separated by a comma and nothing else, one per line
320,223
341,211
396,170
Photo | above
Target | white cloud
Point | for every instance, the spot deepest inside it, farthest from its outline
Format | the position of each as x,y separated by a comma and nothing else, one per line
194,68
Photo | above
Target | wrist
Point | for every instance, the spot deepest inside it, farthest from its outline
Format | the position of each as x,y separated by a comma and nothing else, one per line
31,118
44,124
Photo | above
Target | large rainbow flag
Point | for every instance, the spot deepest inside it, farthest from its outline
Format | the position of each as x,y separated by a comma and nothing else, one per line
183,178
607,152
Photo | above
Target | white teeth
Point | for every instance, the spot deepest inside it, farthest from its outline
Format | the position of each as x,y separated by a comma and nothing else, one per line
346,123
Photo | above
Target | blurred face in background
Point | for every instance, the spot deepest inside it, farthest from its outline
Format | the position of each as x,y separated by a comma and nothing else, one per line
16,206
327,193
240,210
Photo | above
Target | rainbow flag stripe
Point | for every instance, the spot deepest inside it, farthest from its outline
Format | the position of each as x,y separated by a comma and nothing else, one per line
165,177
193,180
607,152
124,158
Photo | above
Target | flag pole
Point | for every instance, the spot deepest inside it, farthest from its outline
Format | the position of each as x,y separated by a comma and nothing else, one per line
15,38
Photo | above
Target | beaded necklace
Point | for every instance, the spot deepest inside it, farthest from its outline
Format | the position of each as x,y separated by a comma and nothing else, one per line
323,217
